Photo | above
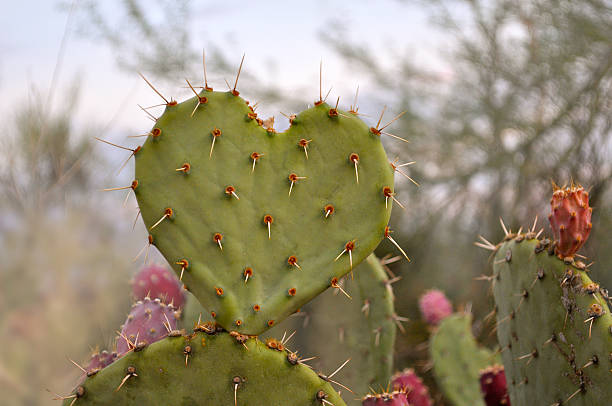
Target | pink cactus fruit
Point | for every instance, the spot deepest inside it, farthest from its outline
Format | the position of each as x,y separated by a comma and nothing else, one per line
149,321
395,398
493,386
100,360
416,392
570,219
158,282
435,306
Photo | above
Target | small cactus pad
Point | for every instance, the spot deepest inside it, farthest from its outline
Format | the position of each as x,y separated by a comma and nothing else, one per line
206,368
570,219
457,360
494,387
395,398
158,282
553,325
361,328
256,222
435,306
148,321
416,391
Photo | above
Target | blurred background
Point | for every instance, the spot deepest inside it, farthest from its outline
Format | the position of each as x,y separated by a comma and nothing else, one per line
501,97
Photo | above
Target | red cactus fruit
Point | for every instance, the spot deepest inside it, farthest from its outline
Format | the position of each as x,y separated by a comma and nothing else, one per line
493,386
570,219
148,322
416,392
395,398
158,282
435,306
100,360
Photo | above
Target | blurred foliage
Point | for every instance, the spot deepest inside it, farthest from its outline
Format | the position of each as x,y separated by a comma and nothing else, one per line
64,271
529,100
45,159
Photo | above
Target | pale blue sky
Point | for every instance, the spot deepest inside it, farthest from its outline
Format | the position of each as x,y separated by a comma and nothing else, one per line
281,32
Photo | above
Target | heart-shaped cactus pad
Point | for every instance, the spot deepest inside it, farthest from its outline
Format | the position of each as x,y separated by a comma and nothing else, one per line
255,221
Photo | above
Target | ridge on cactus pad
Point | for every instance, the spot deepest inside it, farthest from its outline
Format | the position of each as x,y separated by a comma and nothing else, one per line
148,321
408,382
570,219
158,282
256,222
553,325
206,368
494,387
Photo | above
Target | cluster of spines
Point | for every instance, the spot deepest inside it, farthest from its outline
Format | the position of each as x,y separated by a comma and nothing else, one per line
394,398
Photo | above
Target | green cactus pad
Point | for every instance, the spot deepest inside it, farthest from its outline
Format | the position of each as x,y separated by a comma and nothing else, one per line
361,328
552,353
204,369
214,206
457,360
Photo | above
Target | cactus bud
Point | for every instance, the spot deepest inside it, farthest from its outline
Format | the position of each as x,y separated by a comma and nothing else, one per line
435,306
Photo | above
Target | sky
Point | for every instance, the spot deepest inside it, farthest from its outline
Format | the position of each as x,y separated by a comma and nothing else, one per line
274,33
281,40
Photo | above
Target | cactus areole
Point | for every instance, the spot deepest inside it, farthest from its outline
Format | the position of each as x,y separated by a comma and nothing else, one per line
219,194
570,219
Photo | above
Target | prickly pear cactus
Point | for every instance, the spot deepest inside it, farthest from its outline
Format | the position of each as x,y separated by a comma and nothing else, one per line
206,368
457,360
158,282
99,360
494,386
553,325
258,223
570,219
434,306
395,398
193,313
361,329
148,321
417,393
